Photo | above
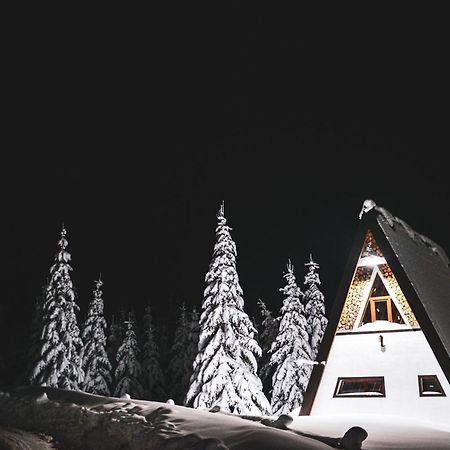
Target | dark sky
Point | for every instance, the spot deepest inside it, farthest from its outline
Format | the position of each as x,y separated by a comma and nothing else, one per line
132,134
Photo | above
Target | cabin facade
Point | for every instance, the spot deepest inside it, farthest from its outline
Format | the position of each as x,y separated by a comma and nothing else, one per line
387,345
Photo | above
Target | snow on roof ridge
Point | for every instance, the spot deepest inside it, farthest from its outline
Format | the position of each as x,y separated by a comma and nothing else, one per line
392,220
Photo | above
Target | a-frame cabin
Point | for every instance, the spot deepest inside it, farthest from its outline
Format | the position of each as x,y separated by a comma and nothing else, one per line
387,345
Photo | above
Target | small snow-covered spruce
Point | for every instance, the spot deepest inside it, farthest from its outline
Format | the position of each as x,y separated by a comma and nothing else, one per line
96,365
314,308
225,368
180,365
59,364
128,370
267,335
152,375
290,350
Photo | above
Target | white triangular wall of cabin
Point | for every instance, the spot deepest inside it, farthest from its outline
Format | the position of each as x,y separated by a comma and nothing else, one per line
380,361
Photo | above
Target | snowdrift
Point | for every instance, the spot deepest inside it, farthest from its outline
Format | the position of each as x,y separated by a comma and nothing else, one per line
76,420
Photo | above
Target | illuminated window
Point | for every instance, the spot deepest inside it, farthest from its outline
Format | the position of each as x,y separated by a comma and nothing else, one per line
360,387
380,305
429,386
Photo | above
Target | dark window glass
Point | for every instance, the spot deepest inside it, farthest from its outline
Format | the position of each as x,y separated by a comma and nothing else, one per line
360,387
396,317
429,386
378,288
367,315
381,310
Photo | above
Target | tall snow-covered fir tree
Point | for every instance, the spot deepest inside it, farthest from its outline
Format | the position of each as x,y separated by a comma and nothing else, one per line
268,331
225,369
314,308
59,363
152,375
290,350
180,366
95,361
128,371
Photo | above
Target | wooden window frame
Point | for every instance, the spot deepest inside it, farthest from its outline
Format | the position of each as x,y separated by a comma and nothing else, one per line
371,303
378,395
437,394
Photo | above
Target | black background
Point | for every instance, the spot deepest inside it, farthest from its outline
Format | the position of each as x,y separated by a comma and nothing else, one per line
133,127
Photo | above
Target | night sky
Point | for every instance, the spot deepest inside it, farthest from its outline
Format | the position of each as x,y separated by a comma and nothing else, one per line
133,136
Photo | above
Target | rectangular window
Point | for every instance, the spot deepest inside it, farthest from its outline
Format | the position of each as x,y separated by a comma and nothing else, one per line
360,387
429,386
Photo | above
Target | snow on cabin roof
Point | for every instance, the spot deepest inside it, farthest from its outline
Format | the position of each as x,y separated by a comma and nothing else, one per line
394,222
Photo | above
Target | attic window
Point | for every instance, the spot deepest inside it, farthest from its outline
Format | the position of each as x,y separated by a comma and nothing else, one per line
380,305
360,387
429,386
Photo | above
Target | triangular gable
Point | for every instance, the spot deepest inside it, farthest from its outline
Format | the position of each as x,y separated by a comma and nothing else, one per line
372,272
420,269
381,304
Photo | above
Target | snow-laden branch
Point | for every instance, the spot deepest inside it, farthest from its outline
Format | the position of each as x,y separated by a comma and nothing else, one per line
311,363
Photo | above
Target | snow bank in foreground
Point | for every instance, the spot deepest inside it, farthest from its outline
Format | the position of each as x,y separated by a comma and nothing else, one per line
12,438
385,432
84,421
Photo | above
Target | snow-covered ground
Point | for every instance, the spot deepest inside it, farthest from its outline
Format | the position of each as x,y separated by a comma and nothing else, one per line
385,432
32,415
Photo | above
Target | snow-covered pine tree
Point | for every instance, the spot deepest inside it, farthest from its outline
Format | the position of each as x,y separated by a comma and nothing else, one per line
191,348
95,361
267,334
194,331
59,364
113,342
314,308
35,344
161,335
128,371
179,369
290,350
225,368
152,375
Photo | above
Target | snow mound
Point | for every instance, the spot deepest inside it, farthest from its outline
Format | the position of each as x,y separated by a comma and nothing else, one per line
385,432
13,438
382,325
80,421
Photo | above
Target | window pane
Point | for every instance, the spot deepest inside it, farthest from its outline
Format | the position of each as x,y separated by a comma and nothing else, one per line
429,386
378,289
396,317
360,386
367,318
381,310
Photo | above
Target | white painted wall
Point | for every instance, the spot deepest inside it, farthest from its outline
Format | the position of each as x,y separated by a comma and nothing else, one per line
407,355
